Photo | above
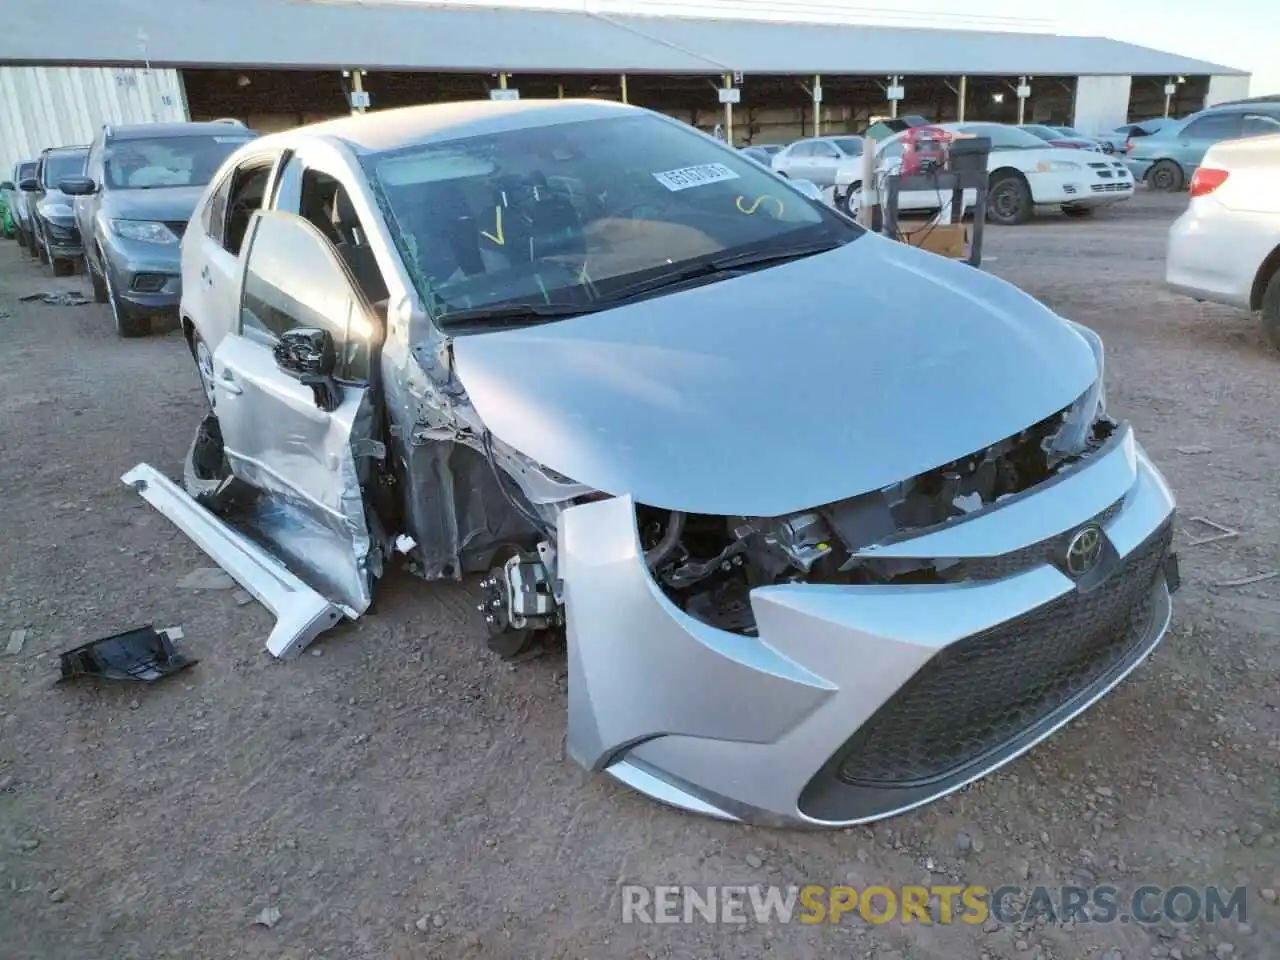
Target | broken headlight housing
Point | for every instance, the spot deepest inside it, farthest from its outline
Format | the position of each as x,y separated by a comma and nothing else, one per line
1091,405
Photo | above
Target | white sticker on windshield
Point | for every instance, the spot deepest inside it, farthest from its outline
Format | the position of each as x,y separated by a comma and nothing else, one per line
687,177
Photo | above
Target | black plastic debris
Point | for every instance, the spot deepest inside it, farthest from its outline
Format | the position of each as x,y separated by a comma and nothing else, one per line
144,654
57,298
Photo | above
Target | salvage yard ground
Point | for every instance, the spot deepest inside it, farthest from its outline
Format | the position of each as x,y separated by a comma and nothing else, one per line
400,793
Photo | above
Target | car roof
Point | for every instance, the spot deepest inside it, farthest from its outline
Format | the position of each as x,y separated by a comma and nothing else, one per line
84,149
441,122
147,131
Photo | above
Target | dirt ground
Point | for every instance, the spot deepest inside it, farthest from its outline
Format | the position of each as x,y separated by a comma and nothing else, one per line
400,793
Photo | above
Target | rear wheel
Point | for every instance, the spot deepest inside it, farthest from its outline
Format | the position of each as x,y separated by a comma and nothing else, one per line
1009,200
1165,176
1077,211
204,367
1271,310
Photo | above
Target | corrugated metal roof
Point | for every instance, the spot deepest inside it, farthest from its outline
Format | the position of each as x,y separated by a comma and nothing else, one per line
281,33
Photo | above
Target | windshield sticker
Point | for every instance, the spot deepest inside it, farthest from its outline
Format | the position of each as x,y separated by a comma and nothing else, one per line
686,177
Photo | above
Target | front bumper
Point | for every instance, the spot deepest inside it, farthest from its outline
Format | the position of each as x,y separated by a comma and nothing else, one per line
1101,182
62,240
146,277
856,703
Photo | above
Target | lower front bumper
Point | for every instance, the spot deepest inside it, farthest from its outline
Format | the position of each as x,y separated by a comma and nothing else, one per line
781,729
143,284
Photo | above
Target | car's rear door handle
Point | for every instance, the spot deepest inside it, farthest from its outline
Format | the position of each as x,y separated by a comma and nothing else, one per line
228,384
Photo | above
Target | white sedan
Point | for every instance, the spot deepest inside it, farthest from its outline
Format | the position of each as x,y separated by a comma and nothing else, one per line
1226,247
1025,173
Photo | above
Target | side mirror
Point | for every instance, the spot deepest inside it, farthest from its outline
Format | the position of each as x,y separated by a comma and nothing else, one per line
308,353
305,351
29,185
78,186
7,185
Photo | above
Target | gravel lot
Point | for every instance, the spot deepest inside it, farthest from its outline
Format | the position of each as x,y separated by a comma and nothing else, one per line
400,793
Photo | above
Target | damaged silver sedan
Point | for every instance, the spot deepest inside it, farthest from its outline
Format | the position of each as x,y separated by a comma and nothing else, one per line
832,526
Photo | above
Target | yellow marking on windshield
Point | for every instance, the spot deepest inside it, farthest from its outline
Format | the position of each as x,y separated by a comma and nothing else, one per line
497,237
750,209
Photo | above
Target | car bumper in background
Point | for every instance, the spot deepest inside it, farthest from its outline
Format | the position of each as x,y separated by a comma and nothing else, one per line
1214,253
859,702
1088,188
145,276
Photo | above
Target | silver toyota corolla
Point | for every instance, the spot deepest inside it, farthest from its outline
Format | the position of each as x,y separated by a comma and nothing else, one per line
832,525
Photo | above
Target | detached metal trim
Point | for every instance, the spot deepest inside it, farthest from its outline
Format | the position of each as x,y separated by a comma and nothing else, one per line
301,613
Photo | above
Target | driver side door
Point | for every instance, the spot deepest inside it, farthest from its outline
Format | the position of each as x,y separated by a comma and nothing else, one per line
300,438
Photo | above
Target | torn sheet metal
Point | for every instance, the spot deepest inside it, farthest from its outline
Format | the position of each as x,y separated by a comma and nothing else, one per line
145,655
301,613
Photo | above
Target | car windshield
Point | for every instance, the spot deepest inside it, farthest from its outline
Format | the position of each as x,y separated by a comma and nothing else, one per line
59,166
1044,133
574,214
168,161
1003,137
850,145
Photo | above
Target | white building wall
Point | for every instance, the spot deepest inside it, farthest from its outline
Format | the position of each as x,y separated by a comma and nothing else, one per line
1102,103
1226,88
63,106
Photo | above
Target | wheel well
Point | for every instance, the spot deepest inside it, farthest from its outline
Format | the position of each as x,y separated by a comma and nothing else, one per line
189,333
1260,282
1001,173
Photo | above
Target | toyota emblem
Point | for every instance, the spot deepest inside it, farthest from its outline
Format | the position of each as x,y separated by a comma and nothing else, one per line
1084,550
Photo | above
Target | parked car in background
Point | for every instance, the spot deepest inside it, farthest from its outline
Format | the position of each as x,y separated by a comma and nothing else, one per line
8,196
1167,158
53,218
1119,138
567,394
1055,137
1074,134
140,185
1025,172
819,159
1225,247
762,155
21,204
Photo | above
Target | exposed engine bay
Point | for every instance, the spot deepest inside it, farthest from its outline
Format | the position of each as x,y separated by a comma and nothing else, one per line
708,565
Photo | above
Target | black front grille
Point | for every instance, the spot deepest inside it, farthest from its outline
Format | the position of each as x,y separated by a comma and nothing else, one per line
1024,558
983,691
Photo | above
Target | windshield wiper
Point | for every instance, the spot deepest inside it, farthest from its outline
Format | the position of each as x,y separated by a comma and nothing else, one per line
514,314
759,257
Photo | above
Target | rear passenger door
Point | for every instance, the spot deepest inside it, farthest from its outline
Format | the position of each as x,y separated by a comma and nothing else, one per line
209,278
1199,135
304,441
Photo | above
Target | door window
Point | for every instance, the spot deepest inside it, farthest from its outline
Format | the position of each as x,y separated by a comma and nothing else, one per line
801,150
325,203
1258,125
1216,126
825,150
214,215
294,278
248,190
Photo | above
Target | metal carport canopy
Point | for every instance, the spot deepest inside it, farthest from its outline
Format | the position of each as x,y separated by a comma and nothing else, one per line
400,35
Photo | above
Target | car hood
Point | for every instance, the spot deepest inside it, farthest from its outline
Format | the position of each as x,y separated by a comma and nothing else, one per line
782,389
1028,159
157,203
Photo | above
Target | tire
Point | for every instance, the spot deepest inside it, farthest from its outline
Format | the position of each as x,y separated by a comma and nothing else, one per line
510,644
1077,212
203,358
847,205
33,246
63,267
1271,310
1009,202
99,285
22,238
128,324
1166,176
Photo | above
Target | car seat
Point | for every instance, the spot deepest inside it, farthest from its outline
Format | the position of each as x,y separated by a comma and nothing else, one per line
353,246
